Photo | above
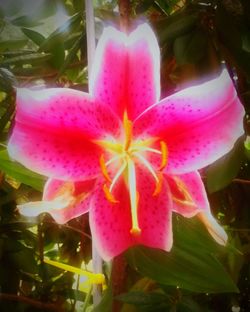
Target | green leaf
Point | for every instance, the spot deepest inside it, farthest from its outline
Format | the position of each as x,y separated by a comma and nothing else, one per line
24,260
231,38
142,298
190,48
187,266
58,54
72,53
187,304
33,58
106,303
20,173
224,170
61,33
35,36
25,21
7,80
176,25
7,115
12,44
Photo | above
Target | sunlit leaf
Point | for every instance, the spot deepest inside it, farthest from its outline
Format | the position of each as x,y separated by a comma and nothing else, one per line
27,59
61,33
35,36
20,173
187,265
25,21
224,170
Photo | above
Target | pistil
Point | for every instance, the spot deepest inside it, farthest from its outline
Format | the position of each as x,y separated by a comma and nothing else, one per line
134,198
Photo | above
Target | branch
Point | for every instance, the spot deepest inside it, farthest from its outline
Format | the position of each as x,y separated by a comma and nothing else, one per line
32,302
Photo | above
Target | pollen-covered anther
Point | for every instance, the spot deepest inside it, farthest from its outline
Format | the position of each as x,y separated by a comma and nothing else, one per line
128,128
109,196
104,169
187,200
158,185
164,155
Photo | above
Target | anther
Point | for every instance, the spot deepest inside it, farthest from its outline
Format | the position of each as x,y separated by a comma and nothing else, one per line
104,169
164,155
109,196
158,185
188,200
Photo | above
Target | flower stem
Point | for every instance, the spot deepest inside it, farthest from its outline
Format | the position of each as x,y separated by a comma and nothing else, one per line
90,30
124,10
87,299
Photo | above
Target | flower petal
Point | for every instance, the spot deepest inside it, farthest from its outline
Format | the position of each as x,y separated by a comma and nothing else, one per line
62,200
216,230
63,110
126,70
193,185
54,188
111,222
188,194
108,77
155,213
57,156
198,124
54,129
144,71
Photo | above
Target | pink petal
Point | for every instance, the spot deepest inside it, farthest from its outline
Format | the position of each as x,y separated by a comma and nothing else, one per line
57,156
62,200
55,187
155,217
191,183
111,223
198,124
126,70
53,132
144,71
108,76
214,228
82,195
62,110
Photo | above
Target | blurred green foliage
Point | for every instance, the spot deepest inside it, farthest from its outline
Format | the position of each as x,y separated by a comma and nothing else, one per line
44,43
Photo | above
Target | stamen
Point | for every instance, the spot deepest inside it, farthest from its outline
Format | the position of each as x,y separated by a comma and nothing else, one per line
158,186
164,155
113,147
118,174
134,198
144,143
188,200
109,162
104,169
145,149
66,189
147,165
128,127
109,196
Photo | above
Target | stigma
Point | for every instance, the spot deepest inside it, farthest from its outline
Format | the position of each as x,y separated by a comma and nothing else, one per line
126,154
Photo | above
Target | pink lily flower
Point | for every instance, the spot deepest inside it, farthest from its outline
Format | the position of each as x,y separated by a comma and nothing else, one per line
122,154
